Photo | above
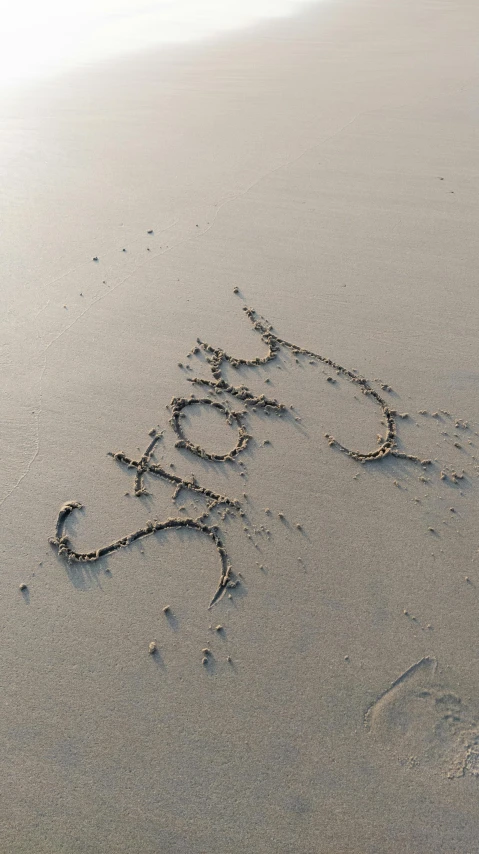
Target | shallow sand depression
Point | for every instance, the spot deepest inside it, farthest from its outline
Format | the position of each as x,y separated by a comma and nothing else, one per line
239,396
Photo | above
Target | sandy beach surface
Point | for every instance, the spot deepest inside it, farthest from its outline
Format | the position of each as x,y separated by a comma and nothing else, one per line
321,171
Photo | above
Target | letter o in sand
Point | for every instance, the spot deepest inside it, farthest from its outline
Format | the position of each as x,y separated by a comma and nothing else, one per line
180,403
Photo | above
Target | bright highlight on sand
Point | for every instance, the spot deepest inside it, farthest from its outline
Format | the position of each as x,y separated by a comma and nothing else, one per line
37,39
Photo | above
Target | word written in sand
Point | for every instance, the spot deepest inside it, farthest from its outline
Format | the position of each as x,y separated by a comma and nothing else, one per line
216,359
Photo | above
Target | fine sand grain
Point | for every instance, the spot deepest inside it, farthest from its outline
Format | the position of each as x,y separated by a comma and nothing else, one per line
239,384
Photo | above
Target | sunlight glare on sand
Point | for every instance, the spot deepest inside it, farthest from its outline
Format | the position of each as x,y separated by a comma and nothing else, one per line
41,38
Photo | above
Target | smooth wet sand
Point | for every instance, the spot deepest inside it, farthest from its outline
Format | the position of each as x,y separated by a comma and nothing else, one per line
325,166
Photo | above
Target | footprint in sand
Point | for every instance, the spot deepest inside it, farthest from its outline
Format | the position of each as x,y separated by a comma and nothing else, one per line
421,721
